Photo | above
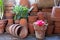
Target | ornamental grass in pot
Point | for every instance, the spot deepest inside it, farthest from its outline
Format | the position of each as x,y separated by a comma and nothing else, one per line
2,21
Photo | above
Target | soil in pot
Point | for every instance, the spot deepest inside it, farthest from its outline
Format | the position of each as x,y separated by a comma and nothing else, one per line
2,26
25,3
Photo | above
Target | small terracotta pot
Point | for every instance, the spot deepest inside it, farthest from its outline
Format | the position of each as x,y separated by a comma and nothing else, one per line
17,21
10,21
25,3
35,9
32,19
40,16
31,28
2,26
9,15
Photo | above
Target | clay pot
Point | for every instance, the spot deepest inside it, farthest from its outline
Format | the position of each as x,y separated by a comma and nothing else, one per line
50,30
31,28
32,19
24,31
2,26
23,22
9,15
10,21
35,9
40,16
17,21
25,3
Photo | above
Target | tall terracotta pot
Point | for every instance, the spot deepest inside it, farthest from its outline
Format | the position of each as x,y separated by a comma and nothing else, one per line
24,31
25,3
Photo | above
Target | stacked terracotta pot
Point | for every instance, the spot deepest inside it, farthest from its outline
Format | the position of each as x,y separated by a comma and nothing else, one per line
50,28
56,19
8,11
31,20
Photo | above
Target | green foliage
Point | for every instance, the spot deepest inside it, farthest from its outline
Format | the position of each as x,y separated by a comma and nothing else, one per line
1,9
20,11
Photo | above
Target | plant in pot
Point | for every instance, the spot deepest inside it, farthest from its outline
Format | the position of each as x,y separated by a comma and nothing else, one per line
17,14
2,21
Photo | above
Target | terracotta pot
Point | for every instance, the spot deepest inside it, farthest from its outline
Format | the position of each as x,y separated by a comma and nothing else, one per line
40,31
25,3
40,16
10,21
2,26
32,19
31,28
57,31
35,9
23,22
50,30
16,21
56,14
9,15
23,32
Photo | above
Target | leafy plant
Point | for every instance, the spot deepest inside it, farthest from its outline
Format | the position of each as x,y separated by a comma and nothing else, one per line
1,9
20,12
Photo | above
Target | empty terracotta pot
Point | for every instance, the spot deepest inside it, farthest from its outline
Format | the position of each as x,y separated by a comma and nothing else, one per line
31,28
32,19
25,3
40,16
2,26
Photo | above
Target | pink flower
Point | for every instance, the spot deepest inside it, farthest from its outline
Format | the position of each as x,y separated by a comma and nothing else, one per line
40,22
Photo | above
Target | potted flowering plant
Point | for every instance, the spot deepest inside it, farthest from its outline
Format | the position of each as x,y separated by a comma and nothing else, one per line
40,27
2,22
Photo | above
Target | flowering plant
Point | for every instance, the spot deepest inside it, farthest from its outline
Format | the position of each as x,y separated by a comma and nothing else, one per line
40,23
